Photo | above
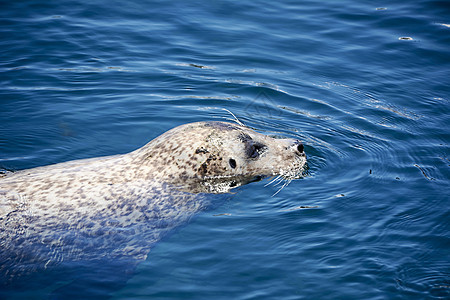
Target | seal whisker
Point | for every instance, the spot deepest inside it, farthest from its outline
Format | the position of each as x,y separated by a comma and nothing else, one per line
286,183
282,179
271,181
288,176
276,179
235,118
283,186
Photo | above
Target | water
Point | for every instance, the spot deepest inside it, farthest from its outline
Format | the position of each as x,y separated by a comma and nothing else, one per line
364,84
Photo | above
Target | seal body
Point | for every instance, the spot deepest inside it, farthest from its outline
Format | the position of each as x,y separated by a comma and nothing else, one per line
115,208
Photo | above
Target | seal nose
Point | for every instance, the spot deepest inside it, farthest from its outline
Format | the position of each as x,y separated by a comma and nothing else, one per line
299,148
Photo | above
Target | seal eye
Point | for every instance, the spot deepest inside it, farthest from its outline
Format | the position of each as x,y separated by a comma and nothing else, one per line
232,163
255,150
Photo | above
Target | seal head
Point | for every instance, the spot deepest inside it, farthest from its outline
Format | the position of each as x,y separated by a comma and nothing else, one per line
217,156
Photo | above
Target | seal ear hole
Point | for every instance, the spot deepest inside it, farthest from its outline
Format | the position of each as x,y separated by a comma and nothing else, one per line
232,163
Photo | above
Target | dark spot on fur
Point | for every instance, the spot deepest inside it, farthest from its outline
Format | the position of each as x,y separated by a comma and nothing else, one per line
211,157
203,168
232,163
221,125
201,150
243,137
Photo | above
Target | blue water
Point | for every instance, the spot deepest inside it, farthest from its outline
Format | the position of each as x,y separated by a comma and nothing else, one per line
364,84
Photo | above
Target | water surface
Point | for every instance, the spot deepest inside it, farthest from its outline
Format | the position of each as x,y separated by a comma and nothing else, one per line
363,84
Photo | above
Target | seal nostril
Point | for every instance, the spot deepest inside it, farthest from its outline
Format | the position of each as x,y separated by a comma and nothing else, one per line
300,148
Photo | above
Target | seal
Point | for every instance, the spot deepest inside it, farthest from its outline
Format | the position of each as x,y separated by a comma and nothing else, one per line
116,208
